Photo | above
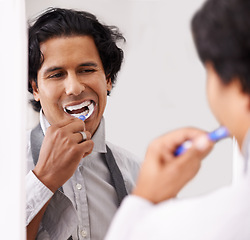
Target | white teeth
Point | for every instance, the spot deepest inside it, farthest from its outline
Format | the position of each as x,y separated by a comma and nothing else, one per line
91,110
79,106
86,113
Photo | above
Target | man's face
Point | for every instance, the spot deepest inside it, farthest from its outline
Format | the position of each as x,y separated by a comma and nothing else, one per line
71,80
227,102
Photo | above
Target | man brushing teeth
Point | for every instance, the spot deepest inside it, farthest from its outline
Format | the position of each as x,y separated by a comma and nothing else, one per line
76,180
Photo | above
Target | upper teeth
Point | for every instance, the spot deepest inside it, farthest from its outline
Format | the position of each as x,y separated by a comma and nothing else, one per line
79,106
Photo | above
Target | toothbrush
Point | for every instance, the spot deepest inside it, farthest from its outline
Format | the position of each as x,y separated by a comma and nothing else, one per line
214,136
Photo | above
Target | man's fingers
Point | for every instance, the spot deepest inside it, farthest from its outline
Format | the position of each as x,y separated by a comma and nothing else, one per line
87,146
76,125
65,122
72,129
71,124
191,159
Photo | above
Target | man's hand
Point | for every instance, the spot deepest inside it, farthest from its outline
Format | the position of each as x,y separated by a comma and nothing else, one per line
62,149
163,174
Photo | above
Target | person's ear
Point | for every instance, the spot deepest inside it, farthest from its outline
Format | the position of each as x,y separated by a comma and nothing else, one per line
35,90
109,84
211,70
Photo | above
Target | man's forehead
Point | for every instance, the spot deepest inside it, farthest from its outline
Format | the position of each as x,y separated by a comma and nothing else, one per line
73,39
75,50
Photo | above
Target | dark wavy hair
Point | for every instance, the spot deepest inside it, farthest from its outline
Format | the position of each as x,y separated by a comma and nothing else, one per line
221,30
57,22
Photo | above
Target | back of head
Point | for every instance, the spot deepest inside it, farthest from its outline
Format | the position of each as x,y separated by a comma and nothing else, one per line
57,22
221,30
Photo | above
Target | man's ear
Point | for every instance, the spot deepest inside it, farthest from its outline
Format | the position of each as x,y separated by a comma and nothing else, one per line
35,90
109,84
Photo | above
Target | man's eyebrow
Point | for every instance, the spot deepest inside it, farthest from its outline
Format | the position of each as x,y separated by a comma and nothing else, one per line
51,69
88,64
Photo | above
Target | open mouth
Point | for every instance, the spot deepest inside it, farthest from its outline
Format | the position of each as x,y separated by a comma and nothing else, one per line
85,108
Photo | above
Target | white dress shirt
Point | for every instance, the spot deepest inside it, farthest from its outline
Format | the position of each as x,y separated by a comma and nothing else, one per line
89,201
221,215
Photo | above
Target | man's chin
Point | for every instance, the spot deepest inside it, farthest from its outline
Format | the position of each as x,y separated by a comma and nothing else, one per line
92,126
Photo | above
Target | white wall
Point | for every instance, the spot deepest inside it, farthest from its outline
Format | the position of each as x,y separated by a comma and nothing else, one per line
12,98
162,83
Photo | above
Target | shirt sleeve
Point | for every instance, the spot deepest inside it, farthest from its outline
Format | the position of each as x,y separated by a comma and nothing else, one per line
132,210
60,217
37,195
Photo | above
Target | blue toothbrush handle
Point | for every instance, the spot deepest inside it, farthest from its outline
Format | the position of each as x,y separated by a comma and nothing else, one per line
214,136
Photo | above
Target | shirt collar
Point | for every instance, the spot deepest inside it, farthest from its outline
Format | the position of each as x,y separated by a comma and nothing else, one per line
43,122
98,138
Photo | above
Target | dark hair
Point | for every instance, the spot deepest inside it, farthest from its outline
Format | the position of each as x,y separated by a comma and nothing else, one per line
57,22
221,30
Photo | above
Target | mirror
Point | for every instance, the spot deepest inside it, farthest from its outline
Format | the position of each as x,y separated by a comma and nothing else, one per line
162,83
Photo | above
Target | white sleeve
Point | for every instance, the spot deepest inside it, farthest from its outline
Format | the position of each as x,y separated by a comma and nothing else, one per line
131,212
37,195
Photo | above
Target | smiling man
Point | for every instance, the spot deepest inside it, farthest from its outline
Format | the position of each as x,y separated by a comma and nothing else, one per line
76,180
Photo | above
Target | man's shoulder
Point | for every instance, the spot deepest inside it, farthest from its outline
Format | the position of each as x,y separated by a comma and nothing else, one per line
128,163
122,153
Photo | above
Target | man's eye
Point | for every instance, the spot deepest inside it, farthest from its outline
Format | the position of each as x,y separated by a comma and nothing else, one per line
87,70
56,75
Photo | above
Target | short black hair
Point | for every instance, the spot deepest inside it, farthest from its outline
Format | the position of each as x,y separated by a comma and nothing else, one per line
221,31
58,22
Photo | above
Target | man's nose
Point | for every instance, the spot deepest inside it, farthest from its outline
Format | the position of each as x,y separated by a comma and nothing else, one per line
73,85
